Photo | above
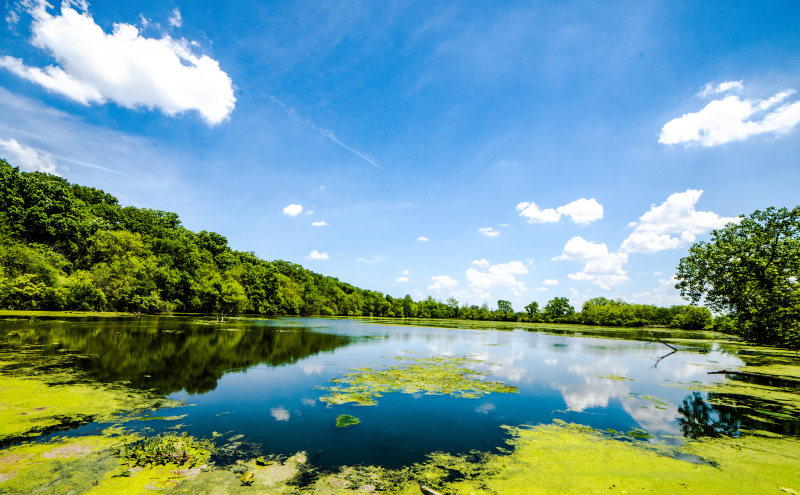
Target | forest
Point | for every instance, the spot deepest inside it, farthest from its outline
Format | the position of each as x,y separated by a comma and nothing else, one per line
65,246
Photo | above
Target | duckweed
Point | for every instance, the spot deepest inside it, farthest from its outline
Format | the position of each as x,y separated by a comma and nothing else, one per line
345,420
431,376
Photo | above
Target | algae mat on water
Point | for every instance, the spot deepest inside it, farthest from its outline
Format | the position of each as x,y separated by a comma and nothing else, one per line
436,375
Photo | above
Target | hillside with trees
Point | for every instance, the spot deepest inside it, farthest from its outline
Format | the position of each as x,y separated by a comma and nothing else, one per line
65,246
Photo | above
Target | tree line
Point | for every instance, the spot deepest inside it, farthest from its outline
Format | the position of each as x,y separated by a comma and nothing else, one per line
65,246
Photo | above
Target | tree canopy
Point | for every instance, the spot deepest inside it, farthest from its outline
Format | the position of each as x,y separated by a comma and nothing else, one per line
69,247
749,270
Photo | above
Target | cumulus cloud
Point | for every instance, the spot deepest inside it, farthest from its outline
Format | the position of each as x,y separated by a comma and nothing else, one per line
442,283
27,158
489,232
672,224
550,281
534,214
293,210
499,275
581,211
401,280
732,118
316,255
318,223
601,267
123,66
481,262
422,238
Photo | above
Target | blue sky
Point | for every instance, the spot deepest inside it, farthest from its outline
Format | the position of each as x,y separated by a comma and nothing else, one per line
509,150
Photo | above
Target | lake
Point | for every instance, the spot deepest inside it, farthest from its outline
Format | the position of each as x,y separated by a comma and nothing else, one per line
259,386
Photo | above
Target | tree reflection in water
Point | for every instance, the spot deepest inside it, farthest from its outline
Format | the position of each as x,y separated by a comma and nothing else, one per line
713,417
167,355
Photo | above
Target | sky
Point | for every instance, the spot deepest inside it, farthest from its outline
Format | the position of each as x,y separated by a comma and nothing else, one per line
475,150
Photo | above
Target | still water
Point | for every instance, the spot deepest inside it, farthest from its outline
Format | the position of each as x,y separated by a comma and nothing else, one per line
255,384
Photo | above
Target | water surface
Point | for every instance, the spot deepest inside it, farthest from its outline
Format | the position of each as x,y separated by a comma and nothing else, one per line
254,384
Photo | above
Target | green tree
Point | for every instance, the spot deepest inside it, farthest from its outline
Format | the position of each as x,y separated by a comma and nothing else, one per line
533,311
558,308
750,270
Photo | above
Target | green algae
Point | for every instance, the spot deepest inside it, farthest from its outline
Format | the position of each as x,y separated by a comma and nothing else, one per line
31,406
167,448
345,421
617,378
430,376
97,464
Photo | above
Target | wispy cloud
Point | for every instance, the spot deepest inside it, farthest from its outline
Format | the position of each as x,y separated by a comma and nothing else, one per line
326,133
442,282
374,260
499,275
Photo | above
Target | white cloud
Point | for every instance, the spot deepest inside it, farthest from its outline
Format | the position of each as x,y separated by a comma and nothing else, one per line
601,267
373,260
733,119
309,212
175,19
536,215
442,283
499,275
405,272
293,210
709,89
422,238
674,223
401,280
550,281
26,158
581,211
319,223
663,294
481,262
316,255
123,66
488,232
279,413
12,19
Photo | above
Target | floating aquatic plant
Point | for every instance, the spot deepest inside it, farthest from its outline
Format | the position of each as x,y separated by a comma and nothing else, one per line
345,420
431,376
167,449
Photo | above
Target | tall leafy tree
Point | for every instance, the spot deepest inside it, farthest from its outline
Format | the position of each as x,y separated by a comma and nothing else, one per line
750,271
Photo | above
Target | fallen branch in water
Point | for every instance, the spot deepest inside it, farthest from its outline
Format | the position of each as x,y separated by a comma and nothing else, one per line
427,491
656,339
785,379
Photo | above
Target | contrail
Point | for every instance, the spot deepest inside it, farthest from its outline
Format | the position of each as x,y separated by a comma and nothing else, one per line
324,132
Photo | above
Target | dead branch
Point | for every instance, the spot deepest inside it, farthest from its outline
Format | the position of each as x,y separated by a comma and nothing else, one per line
427,491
